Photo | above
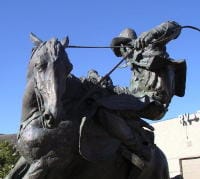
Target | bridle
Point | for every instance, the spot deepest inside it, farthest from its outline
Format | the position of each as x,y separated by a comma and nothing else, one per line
40,103
38,95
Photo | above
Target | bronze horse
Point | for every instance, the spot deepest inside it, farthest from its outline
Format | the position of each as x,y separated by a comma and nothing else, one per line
49,136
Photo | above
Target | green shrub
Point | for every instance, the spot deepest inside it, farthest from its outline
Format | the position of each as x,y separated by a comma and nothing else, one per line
8,157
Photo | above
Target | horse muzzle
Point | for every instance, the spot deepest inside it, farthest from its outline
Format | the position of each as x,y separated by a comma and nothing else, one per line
49,121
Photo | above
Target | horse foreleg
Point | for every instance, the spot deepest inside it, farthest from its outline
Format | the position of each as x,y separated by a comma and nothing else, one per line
37,170
19,169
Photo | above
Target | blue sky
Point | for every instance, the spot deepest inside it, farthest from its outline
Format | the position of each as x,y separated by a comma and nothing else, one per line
90,22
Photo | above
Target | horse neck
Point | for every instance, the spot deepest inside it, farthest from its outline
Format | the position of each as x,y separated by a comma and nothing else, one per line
74,92
29,104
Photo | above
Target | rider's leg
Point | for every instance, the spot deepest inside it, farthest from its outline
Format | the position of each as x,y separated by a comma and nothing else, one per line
117,127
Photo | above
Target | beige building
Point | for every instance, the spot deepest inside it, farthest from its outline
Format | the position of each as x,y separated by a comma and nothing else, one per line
179,138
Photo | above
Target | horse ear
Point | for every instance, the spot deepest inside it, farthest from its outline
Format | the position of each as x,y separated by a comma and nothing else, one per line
65,42
36,41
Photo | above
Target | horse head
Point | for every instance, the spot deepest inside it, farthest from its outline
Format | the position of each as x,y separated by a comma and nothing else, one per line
49,66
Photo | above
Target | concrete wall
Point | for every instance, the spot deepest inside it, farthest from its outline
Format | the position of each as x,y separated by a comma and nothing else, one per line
179,138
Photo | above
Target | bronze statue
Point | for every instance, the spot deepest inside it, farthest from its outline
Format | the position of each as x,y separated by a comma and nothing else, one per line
156,78
85,128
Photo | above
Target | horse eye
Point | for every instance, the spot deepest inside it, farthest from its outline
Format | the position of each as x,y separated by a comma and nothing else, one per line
41,66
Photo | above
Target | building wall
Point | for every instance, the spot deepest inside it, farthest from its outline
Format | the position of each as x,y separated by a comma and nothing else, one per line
179,138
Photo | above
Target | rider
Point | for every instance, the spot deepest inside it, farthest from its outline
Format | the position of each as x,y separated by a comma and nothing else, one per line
156,78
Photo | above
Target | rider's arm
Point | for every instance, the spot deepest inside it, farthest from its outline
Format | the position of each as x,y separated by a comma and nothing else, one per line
161,34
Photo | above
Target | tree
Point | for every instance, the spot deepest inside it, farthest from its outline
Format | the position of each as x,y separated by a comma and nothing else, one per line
8,157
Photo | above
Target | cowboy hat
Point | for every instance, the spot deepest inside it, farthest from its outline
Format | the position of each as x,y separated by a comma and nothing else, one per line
126,36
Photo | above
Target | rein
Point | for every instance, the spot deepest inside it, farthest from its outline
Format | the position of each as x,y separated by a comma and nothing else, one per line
32,117
40,102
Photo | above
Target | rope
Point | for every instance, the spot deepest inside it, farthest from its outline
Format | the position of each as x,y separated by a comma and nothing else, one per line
80,46
168,37
102,79
117,65
191,27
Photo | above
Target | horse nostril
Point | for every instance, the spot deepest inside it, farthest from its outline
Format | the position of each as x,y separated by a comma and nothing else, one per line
48,120
47,116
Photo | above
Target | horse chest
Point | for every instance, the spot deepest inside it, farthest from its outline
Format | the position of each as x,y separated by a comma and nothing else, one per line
35,141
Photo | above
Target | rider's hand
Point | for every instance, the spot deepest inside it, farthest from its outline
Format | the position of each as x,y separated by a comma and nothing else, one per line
143,40
125,49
